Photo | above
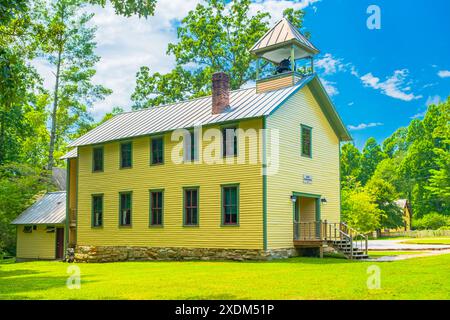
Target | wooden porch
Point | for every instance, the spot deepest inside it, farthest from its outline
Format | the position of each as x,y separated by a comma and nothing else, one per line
320,234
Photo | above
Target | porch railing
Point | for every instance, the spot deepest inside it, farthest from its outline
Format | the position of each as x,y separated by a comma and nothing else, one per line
326,231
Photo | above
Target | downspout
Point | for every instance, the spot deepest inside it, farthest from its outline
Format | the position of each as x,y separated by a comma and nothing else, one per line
66,229
264,182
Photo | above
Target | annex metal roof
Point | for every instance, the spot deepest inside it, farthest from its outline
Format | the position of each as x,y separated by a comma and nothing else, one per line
50,209
244,104
279,36
71,154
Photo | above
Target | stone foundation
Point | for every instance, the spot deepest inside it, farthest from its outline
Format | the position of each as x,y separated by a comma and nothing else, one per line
112,253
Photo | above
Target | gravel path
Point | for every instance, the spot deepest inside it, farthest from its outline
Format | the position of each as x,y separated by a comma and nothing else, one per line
410,256
387,245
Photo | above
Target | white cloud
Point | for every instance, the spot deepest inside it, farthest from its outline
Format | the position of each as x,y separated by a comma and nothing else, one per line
363,126
330,87
444,74
351,104
419,115
433,100
394,86
329,64
126,44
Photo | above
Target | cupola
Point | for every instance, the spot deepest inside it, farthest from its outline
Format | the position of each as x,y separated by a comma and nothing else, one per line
289,52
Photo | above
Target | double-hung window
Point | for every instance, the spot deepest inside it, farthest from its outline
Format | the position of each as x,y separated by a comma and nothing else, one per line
191,206
126,155
306,141
157,150
190,146
230,204
229,141
97,159
97,210
156,207
125,209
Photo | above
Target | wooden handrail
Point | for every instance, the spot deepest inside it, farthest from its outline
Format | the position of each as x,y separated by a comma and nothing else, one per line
326,231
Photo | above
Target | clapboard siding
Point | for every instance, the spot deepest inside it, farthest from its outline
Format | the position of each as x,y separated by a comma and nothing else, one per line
274,84
36,245
302,108
172,178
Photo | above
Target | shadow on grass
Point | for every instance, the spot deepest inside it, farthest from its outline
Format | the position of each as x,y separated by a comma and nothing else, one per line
15,284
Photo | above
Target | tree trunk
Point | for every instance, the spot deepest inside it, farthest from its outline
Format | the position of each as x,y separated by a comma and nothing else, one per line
54,111
2,137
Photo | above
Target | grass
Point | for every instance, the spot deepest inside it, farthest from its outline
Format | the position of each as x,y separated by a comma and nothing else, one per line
444,240
296,278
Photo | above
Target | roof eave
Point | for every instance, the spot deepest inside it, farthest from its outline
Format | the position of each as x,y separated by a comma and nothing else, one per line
333,117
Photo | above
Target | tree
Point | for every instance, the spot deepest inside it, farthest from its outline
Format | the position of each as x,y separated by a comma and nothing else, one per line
350,162
397,143
216,36
19,184
371,157
384,194
69,47
359,210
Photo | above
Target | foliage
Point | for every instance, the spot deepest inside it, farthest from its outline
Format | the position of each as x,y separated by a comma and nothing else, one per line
216,36
414,161
69,48
431,221
19,184
128,8
371,157
350,162
360,210
391,216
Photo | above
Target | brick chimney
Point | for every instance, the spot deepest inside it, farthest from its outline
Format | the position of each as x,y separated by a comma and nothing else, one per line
220,92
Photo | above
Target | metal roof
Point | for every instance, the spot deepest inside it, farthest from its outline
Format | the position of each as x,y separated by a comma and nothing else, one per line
244,104
283,32
50,209
71,154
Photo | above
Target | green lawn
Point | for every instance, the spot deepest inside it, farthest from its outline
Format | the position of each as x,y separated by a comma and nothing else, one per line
296,278
442,240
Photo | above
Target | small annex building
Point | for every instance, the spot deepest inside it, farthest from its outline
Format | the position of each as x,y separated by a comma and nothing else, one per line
40,228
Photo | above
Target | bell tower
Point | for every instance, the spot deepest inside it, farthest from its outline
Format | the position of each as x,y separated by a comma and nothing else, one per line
289,53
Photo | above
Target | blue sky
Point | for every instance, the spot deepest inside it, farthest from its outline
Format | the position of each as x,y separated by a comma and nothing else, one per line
378,79
410,56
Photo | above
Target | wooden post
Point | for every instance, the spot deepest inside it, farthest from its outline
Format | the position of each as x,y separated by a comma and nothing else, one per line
257,68
292,58
312,64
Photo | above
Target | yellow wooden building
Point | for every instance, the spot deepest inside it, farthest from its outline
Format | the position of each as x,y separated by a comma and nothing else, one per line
244,174
40,228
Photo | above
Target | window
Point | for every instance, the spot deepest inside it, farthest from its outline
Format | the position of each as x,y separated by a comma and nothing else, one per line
125,155
156,208
97,210
125,209
27,229
306,141
191,207
157,151
230,205
229,142
97,159
190,147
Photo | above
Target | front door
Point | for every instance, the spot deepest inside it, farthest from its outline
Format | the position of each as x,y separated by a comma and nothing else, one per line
59,243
